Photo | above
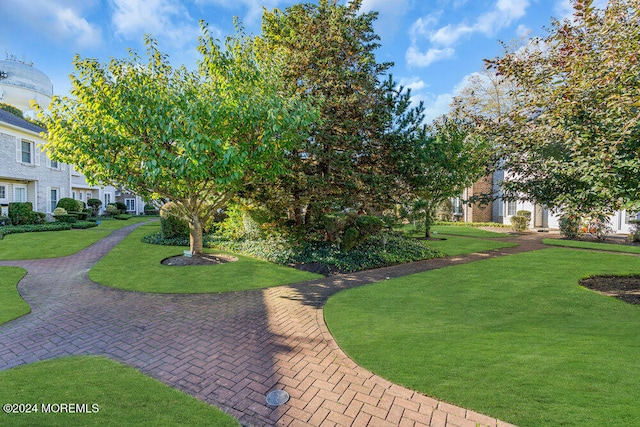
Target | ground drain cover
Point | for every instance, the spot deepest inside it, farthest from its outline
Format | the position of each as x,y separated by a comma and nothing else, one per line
277,398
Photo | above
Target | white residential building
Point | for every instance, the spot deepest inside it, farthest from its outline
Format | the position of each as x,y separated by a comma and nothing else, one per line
26,173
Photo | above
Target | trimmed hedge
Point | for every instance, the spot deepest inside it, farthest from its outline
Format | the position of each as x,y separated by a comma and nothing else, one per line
31,228
21,213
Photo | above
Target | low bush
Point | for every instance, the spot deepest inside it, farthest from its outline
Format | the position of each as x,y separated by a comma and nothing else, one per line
68,218
59,211
81,225
171,222
94,204
21,213
122,217
570,226
380,250
519,223
70,205
4,220
30,228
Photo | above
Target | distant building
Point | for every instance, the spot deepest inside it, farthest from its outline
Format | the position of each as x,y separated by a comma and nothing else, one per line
26,173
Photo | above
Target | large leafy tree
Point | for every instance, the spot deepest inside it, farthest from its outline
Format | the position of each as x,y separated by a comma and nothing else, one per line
572,138
194,137
440,162
331,62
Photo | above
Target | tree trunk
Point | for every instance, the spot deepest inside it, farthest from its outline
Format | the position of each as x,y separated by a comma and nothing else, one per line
428,221
195,236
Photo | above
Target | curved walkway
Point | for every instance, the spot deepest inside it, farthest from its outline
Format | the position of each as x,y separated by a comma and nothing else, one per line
229,349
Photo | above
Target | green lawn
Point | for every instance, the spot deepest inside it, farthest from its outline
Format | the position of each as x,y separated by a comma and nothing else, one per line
610,247
53,244
514,337
124,396
460,240
135,266
11,303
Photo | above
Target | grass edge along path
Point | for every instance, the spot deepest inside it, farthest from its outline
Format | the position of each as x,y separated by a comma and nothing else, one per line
123,396
12,305
580,244
514,337
135,266
54,244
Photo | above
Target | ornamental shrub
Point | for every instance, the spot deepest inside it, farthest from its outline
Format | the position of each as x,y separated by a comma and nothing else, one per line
350,239
526,214
94,204
59,211
112,209
121,207
172,223
21,213
570,226
519,223
122,217
70,205
150,209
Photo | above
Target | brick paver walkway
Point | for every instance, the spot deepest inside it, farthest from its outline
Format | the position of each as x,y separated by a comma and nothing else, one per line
229,349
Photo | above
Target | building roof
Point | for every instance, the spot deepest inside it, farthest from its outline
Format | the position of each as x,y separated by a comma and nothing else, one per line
7,117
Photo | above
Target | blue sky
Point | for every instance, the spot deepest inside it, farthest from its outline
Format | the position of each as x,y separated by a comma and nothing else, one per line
435,44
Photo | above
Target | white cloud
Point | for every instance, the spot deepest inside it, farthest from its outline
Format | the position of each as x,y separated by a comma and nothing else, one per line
390,14
60,20
253,8
423,59
443,39
161,18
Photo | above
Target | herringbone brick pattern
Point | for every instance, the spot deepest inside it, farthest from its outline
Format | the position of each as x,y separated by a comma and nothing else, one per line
227,349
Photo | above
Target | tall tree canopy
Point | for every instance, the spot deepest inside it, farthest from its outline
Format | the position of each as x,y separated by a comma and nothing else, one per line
331,62
194,137
572,139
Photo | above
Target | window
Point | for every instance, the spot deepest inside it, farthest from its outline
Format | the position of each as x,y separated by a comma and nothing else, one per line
73,195
131,204
55,165
54,198
89,196
27,152
19,193
107,198
511,208
3,191
80,194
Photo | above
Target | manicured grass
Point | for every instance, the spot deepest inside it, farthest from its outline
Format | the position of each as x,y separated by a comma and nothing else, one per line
514,337
135,266
456,245
456,230
12,305
466,231
53,244
124,396
611,247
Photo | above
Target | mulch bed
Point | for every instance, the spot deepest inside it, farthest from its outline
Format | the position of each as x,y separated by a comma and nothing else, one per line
626,288
205,259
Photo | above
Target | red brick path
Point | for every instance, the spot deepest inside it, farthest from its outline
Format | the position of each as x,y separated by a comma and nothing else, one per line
229,349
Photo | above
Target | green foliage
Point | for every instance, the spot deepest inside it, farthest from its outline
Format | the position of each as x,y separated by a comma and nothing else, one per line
68,218
81,225
94,205
350,239
172,222
380,250
330,61
30,228
150,209
122,217
570,226
193,137
11,109
21,213
526,214
519,222
112,210
570,139
70,205
5,220
59,211
440,162
634,232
